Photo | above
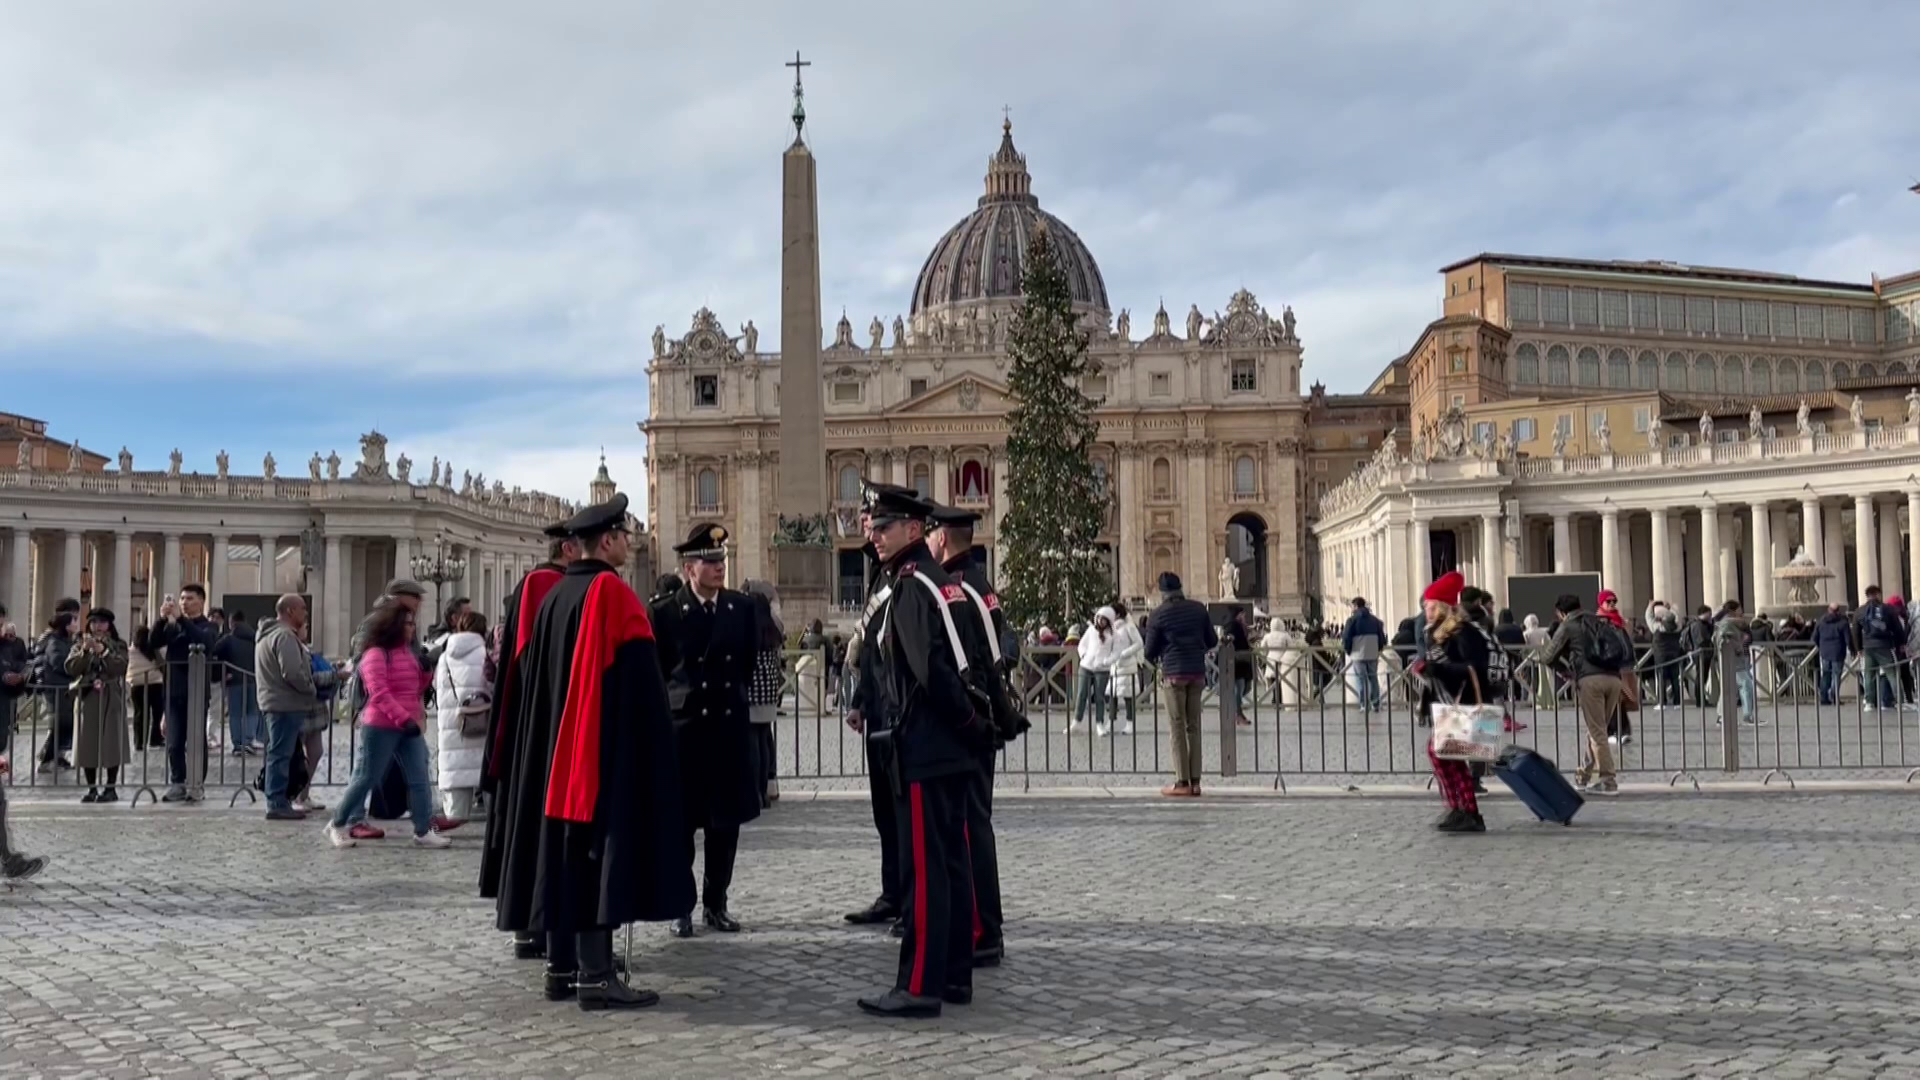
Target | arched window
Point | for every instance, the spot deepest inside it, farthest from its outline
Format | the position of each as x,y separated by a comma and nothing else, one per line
1869,371
1733,375
1163,561
1162,478
1898,367
1762,376
1559,366
923,479
1704,374
849,483
1674,377
1589,367
1841,370
1526,365
1619,370
1244,475
1787,379
706,490
1816,375
973,480
1646,371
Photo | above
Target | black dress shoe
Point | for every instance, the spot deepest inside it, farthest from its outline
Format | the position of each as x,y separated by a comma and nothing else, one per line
683,926
92,796
877,912
957,995
108,795
899,928
902,1004
560,985
611,993
719,920
989,955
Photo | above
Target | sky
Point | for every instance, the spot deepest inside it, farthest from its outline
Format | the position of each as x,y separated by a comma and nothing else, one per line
243,226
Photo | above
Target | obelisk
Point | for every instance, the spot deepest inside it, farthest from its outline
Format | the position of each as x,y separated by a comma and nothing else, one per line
802,545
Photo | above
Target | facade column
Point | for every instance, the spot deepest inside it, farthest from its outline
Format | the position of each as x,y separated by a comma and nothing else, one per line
1913,539
897,466
1422,561
753,545
1491,576
1729,577
1811,528
1133,517
1759,553
122,577
1712,586
1658,547
20,580
1834,541
1863,547
1562,544
943,475
1199,534
1513,539
1610,549
1890,550
217,570
1781,552
169,574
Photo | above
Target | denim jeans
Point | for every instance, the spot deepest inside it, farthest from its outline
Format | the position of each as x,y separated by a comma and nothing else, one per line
1744,679
1093,691
182,729
283,734
1367,674
59,740
1882,686
243,712
1830,681
380,748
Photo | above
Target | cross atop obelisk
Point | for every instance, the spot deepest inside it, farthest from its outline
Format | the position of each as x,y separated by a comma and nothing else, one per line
799,97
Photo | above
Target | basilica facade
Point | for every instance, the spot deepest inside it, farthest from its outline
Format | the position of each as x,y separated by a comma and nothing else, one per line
1204,429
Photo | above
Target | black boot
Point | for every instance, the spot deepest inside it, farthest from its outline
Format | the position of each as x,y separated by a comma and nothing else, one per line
563,966
529,947
20,868
599,987
683,926
881,910
718,919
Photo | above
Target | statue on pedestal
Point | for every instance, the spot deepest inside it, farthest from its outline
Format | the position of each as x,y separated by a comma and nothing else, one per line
899,332
1655,428
1706,429
25,460
1857,412
1194,321
1286,321
446,477
404,469
1559,441
1125,331
877,333
1802,422
333,465
1605,434
659,341
466,483
74,454
268,466
126,460
1755,429
1913,407
313,466
751,336
433,479
173,462
220,464
1229,579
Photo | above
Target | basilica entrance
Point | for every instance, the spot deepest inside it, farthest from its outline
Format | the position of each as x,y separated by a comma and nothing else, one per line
1247,550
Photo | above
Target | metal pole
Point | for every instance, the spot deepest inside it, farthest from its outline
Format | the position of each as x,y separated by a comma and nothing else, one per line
1730,705
1228,703
196,721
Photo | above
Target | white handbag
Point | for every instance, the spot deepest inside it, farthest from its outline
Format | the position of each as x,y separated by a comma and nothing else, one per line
1468,732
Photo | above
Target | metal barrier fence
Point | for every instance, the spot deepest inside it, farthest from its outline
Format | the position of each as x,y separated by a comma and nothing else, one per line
1297,712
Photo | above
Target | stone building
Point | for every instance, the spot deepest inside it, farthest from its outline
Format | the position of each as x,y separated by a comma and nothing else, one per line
124,537
1679,430
1203,427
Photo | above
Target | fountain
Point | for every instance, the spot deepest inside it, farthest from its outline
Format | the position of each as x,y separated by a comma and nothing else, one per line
1803,577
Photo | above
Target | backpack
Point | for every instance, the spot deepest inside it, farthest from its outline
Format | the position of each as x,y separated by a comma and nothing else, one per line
1873,620
1499,667
1607,646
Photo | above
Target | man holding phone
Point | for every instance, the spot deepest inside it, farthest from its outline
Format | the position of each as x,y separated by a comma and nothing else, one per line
182,625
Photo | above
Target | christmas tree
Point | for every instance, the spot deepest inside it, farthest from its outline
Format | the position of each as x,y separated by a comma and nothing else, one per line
1053,573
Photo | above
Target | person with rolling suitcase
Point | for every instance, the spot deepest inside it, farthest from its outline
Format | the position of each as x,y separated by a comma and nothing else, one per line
1452,666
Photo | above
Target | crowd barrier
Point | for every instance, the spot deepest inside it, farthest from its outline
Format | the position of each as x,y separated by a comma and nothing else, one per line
1296,712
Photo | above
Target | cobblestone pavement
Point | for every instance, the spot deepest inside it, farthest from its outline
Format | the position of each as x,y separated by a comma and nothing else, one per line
1711,936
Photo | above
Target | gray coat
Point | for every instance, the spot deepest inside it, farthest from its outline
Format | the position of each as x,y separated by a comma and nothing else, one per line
100,716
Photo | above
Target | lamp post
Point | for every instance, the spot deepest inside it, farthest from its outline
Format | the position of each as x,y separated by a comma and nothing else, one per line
441,568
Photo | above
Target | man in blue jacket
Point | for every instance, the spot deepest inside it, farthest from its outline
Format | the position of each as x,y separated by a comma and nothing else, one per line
1882,633
1179,635
1361,641
1833,638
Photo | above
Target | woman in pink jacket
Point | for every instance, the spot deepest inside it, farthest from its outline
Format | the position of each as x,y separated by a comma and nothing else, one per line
390,726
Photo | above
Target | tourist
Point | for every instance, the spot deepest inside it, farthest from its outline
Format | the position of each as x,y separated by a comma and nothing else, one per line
1696,641
1241,643
1619,728
1096,652
463,700
1833,638
146,689
1733,641
390,677
1595,651
437,635
1452,670
1361,640
1179,635
1129,649
1882,633
287,694
1664,623
769,678
13,672
14,866
97,664
388,790
183,626
48,665
234,653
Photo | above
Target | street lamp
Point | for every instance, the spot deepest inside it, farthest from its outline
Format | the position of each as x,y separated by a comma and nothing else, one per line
441,567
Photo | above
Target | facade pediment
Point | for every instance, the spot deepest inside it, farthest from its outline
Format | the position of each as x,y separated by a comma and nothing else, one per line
959,395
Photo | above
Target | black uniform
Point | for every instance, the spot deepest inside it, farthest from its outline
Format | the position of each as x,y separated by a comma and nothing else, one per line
939,735
707,652
982,850
883,787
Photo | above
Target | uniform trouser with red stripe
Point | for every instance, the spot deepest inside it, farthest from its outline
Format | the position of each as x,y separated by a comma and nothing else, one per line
983,852
937,951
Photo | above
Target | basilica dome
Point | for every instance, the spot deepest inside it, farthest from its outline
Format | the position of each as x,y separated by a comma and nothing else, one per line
980,261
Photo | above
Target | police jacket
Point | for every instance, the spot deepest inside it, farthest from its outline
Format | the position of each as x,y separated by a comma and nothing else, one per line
920,659
866,696
707,656
984,628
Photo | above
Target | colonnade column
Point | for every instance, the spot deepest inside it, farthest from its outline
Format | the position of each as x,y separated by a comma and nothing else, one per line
1729,578
1760,555
333,622
1562,544
1711,592
1658,547
1422,561
1863,544
122,578
20,580
72,558
217,570
1890,550
1610,550
1811,528
1834,545
1493,579
169,574
1913,539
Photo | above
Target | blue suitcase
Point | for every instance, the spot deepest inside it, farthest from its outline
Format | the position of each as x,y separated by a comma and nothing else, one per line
1538,783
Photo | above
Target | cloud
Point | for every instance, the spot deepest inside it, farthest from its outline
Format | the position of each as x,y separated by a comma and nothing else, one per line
387,197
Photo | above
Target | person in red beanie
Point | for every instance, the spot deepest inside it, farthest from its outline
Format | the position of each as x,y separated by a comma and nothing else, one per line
1619,728
1452,668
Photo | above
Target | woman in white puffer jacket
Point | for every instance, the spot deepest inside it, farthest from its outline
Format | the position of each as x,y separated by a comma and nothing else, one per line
461,678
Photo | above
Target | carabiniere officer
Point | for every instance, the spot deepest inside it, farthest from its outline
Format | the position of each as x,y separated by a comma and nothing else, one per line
941,727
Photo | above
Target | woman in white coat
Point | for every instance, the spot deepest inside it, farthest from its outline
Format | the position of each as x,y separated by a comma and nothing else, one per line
462,691
1129,652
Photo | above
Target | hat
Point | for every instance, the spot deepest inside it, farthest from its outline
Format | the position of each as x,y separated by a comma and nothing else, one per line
100,614
706,543
1447,589
597,519
888,503
944,516
556,531
1169,581
406,587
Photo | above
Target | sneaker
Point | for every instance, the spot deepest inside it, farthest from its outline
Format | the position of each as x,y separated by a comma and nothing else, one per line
286,815
340,838
308,806
1613,742
1180,789
22,868
431,839
1125,728
1601,787
442,823
176,794
1100,730
1071,728
363,831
